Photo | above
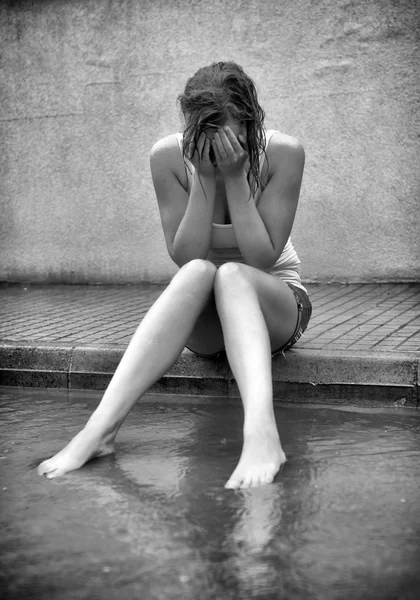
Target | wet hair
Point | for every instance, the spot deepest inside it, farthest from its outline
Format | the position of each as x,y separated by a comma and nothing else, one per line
215,93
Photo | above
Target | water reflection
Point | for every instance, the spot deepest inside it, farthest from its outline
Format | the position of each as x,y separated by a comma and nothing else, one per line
253,541
248,537
342,521
151,453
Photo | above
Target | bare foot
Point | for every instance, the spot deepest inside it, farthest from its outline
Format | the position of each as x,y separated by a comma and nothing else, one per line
261,458
87,444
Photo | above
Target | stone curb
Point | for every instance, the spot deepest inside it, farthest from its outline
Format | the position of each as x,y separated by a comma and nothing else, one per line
334,367
301,374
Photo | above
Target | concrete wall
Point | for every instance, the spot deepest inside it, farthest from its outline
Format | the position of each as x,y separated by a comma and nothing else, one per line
87,86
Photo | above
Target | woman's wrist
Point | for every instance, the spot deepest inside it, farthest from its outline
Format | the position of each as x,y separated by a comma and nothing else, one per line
236,177
204,184
209,180
237,189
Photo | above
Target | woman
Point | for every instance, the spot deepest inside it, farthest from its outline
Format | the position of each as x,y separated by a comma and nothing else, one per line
227,192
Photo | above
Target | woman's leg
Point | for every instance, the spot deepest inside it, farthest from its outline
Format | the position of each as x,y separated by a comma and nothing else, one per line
206,338
258,313
155,346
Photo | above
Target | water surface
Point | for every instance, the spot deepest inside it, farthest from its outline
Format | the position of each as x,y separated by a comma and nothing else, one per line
342,521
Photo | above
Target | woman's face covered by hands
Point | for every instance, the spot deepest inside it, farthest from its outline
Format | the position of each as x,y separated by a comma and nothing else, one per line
237,128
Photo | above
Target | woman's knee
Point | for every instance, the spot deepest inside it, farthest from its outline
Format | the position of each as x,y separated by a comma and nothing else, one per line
231,275
198,269
199,266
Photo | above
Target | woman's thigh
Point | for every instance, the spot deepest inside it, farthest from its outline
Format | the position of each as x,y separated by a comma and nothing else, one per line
207,335
277,301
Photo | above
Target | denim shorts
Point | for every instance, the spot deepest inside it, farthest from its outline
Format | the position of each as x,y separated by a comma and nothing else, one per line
304,314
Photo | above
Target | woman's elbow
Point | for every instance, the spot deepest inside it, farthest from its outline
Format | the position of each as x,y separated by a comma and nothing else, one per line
264,263
181,258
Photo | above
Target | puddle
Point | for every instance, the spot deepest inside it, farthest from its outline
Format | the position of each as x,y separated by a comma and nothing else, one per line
342,521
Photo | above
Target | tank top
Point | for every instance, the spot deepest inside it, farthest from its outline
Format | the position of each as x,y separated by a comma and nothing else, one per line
223,245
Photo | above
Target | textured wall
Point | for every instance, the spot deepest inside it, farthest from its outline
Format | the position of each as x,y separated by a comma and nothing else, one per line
87,87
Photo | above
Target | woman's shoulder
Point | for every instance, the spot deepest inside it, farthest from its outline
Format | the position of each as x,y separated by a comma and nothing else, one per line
282,142
165,149
166,157
284,151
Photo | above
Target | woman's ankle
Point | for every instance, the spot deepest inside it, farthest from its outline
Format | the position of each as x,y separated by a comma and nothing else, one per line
257,421
102,428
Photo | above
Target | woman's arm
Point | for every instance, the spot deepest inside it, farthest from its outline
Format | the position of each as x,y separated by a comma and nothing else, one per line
186,220
262,232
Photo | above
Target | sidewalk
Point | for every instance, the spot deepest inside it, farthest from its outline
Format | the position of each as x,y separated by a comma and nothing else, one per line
362,345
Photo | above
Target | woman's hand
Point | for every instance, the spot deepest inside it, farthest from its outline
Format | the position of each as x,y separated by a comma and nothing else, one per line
231,153
200,158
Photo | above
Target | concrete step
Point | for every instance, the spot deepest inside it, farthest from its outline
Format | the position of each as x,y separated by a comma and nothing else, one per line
303,375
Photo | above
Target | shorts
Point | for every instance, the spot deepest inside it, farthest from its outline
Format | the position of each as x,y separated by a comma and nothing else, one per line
304,314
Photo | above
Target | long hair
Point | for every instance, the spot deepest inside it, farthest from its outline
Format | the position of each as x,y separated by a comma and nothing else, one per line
219,91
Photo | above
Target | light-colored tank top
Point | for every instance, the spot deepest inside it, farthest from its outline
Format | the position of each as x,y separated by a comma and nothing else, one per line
224,247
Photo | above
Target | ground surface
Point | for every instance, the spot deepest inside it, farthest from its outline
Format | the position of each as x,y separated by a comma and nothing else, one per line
341,522
376,317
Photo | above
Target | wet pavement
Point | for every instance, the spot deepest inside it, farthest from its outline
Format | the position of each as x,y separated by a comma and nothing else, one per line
153,521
